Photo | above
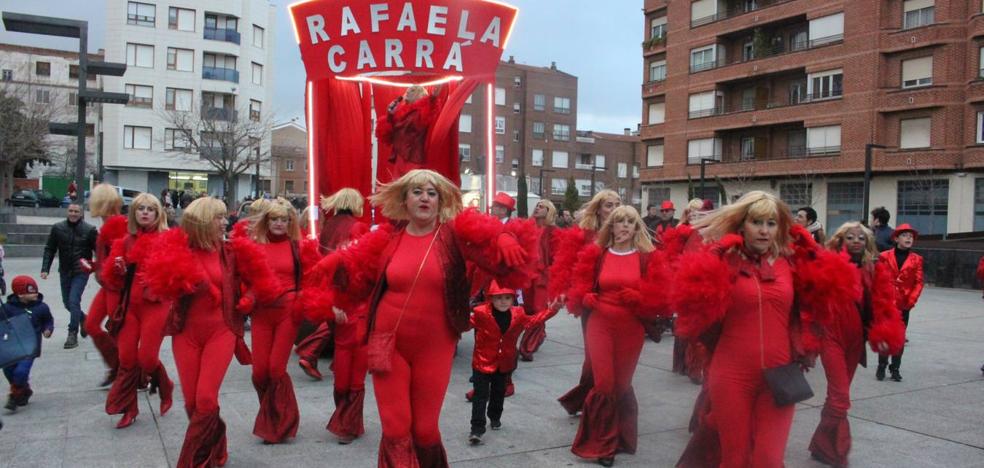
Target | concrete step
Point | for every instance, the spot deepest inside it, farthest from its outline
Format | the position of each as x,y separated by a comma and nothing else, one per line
7,216
43,211
21,250
26,238
25,228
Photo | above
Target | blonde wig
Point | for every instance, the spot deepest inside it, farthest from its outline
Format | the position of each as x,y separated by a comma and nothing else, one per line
197,221
754,205
150,200
258,207
836,241
693,206
392,197
276,209
551,218
591,219
345,199
640,240
304,220
105,200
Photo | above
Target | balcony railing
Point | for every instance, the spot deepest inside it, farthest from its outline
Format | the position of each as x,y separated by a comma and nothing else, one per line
791,152
227,35
654,41
771,51
737,10
747,106
225,74
218,113
699,67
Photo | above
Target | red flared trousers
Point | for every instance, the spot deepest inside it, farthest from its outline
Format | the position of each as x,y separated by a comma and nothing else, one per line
102,306
840,354
350,364
274,330
311,347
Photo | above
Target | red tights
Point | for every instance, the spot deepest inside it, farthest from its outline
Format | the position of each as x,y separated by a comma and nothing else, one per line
102,305
273,333
202,355
350,364
140,338
840,354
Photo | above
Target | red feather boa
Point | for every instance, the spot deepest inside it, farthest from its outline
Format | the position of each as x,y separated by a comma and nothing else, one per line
253,268
582,278
528,237
170,269
310,253
673,241
701,292
569,242
240,229
114,228
653,287
478,236
886,324
362,262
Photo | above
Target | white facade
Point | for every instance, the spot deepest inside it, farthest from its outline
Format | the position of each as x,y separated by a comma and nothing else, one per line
191,48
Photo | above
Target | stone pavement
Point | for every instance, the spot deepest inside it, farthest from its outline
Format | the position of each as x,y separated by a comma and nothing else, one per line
934,418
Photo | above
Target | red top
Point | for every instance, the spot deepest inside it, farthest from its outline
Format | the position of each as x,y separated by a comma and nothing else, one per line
280,257
908,278
496,351
425,310
618,271
206,303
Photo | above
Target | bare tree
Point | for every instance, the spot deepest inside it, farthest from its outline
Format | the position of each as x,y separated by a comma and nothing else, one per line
23,133
228,140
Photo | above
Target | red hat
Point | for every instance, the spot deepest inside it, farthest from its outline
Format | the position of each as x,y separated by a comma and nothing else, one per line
496,290
905,227
24,284
708,205
505,200
667,205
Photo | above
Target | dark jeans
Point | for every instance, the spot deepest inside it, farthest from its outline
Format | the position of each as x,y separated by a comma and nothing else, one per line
490,389
896,359
19,373
72,287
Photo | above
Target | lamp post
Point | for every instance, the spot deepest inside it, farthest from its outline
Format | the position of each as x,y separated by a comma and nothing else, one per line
867,180
703,162
63,27
542,170
593,170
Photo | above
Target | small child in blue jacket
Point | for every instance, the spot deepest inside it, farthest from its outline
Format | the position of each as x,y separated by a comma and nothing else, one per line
25,300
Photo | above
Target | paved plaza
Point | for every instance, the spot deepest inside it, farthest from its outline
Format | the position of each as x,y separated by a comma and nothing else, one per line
934,418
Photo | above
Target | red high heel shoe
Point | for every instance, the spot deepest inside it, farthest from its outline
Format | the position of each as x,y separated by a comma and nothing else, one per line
127,420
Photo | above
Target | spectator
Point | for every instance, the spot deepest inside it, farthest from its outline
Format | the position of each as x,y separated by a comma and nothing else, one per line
73,191
25,300
3,284
666,219
502,206
566,219
883,232
651,218
807,217
74,241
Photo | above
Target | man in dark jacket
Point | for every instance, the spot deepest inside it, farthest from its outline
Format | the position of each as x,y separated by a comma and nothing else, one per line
73,240
883,232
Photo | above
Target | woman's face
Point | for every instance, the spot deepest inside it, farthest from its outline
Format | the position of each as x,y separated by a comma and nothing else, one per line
423,203
540,211
607,206
146,215
759,234
855,240
622,231
219,223
905,240
278,225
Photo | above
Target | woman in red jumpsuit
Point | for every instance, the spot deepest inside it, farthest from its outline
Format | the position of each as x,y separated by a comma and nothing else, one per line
536,296
875,318
755,297
570,242
414,279
142,314
612,277
106,203
206,277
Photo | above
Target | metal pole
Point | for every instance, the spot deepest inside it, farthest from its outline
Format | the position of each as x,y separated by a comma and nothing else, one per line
593,167
867,180
541,183
80,147
702,163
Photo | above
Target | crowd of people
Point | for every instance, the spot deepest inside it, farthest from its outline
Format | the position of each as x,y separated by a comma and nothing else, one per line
753,292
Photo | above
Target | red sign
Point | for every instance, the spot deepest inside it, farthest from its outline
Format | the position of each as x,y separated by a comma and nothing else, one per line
402,40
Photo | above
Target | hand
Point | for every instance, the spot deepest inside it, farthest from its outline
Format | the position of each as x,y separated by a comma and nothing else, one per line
44,275
510,251
245,304
392,106
883,347
340,317
590,300
556,304
630,297
47,333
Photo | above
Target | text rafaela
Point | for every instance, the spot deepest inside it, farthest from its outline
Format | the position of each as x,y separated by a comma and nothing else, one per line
393,49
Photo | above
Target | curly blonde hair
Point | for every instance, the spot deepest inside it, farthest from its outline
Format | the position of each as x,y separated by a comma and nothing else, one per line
836,241
392,197
197,219
754,205
146,199
275,209
591,219
640,240
105,200
345,199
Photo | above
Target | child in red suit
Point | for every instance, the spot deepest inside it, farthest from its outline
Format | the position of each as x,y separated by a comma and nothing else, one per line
907,269
498,325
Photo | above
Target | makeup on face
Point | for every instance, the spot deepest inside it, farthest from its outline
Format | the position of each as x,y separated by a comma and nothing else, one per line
759,234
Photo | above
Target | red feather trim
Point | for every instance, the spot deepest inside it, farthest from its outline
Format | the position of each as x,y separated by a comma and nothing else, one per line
569,242
310,253
826,285
674,240
114,228
701,293
110,276
802,237
583,278
886,324
252,265
170,270
240,229
653,287
528,236
317,304
362,262
478,233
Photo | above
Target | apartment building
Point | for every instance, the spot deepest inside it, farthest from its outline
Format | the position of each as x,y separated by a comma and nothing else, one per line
785,95
194,60
536,129
289,161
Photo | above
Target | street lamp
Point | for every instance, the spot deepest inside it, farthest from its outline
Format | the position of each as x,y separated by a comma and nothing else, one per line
867,179
63,27
542,170
703,162
593,169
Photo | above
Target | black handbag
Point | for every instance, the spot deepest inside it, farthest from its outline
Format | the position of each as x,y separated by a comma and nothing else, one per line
18,340
788,384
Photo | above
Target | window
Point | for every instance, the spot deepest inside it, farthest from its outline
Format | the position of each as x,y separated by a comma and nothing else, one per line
923,204
796,143
517,81
140,95
826,29
136,137
289,165
980,128
539,102
42,69
180,59
42,96
980,66
220,61
258,39
657,27
174,140
289,185
181,19
538,130
979,204
177,99
562,105
8,74
825,85
559,159
747,148
709,148
537,158
140,14
516,108
703,12
917,13
465,123
139,55
705,104
500,125
535,186
500,153
823,140
561,132
635,171
654,155
600,161
257,74
623,170
657,70
464,152
254,110
703,58
917,72
657,113
915,133
558,186
796,194
73,99
583,161
844,203
500,96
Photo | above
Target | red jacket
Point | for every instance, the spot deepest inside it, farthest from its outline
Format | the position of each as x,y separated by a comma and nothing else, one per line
495,351
908,279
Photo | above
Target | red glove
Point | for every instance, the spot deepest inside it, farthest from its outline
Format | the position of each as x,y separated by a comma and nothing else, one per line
590,300
246,304
630,297
510,251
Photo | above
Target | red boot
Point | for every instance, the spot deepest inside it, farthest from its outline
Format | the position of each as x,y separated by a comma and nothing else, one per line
159,381
122,397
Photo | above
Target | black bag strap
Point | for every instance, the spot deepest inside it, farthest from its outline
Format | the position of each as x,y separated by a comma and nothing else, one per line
295,252
131,272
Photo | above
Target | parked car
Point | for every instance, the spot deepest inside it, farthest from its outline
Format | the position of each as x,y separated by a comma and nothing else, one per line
33,198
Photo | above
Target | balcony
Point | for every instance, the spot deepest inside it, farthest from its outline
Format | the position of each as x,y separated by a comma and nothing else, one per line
224,74
757,105
736,8
763,52
652,88
653,45
226,35
219,113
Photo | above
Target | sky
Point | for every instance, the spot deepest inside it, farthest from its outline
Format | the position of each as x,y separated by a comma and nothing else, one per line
594,40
